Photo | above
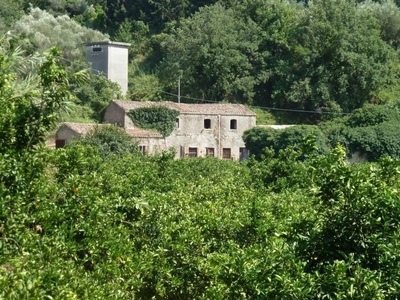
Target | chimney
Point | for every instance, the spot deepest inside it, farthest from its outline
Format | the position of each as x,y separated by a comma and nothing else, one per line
111,60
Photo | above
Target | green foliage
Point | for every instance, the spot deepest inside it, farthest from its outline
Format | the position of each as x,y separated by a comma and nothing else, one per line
107,140
259,138
10,11
357,210
330,56
215,52
201,228
159,118
388,15
29,101
143,86
376,141
40,30
95,220
335,132
264,117
370,132
95,93
371,115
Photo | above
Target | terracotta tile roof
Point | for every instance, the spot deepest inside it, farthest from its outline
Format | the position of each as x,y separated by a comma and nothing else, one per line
85,128
81,128
139,133
186,108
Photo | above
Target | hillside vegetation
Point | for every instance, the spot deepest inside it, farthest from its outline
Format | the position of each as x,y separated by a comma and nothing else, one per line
98,220
323,55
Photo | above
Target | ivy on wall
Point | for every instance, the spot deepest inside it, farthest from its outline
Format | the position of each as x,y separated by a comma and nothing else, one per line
159,118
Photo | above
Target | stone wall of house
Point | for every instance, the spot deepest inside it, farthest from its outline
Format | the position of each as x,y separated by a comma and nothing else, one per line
65,133
195,134
210,135
151,145
114,115
128,122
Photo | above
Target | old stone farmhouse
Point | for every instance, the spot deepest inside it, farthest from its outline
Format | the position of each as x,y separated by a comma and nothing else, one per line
200,129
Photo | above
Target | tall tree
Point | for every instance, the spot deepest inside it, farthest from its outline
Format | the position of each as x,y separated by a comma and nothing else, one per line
39,30
338,58
214,52
32,90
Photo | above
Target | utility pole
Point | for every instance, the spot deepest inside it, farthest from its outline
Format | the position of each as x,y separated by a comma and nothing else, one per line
179,89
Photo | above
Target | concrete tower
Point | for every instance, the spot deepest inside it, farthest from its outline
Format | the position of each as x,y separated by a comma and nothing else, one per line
110,59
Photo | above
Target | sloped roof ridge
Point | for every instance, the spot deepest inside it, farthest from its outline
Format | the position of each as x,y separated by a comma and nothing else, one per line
191,108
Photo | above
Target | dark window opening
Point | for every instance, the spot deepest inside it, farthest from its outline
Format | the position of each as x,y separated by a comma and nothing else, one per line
226,153
233,124
143,149
177,123
192,152
97,49
60,143
207,123
210,152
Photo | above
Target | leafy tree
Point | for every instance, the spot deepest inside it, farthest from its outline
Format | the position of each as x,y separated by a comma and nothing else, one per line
137,34
371,115
371,131
214,52
376,141
143,87
40,30
335,132
357,220
259,138
10,12
337,56
95,92
388,15
32,91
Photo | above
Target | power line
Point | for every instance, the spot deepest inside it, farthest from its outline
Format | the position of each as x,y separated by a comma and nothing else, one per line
179,96
265,107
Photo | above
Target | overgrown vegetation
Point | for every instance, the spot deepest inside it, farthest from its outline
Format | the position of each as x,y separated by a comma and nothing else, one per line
370,133
327,56
96,220
108,140
159,118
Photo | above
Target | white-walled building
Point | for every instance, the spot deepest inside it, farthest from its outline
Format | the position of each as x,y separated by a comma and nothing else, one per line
201,129
111,60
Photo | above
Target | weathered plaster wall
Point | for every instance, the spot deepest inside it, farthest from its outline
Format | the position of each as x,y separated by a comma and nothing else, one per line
153,145
66,133
98,59
114,114
118,66
110,59
191,133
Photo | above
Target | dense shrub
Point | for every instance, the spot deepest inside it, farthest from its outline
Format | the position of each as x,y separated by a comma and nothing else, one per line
40,30
371,131
376,141
107,140
371,115
259,138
